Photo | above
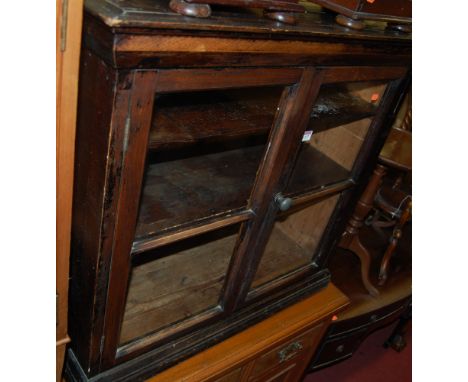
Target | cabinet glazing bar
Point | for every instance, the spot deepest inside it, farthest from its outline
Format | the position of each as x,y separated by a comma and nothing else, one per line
294,109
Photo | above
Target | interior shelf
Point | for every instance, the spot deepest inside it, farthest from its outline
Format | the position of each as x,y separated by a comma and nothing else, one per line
336,106
187,118
314,169
282,256
192,188
176,282
177,192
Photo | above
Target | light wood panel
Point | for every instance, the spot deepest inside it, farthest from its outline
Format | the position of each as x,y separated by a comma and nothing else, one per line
68,40
243,348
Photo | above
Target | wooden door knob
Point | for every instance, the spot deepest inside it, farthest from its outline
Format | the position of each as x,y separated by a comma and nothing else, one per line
283,203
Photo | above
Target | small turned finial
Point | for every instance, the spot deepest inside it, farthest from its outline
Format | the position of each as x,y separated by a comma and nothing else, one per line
187,9
349,22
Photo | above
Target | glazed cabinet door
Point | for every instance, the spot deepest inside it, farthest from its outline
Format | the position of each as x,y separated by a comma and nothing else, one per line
342,127
198,171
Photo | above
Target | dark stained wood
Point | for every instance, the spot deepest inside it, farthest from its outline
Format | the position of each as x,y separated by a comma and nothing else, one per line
280,5
176,80
337,106
186,118
294,110
384,10
176,192
131,141
136,52
191,275
350,238
344,74
185,8
349,22
314,170
282,17
203,226
156,14
89,262
280,10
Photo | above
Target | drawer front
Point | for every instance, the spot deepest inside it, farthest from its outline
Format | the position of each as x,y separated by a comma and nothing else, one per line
280,374
377,316
233,376
339,348
286,352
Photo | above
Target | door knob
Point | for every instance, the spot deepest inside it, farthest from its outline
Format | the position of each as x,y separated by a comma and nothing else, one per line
283,203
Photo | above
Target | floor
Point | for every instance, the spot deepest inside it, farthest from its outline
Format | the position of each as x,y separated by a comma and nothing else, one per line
371,362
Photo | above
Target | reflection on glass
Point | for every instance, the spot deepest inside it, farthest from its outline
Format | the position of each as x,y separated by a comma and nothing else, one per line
294,240
338,126
206,148
176,282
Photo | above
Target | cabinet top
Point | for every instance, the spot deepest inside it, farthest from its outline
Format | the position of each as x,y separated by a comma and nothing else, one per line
156,14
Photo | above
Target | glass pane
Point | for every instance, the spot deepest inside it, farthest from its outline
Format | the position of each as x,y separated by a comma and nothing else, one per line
206,148
294,240
175,282
337,128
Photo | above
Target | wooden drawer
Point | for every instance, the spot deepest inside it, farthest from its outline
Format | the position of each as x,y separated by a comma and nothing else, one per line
377,316
286,352
339,348
282,373
233,376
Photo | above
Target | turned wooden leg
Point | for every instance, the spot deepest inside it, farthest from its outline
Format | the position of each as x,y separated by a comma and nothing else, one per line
397,339
349,22
350,238
190,9
364,256
396,235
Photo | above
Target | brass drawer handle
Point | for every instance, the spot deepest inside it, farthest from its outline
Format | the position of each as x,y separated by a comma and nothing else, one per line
289,351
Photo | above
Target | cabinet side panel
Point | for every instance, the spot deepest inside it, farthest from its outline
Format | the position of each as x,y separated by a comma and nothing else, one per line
96,94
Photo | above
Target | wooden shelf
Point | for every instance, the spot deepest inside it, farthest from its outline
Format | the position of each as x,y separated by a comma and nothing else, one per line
335,107
177,282
282,256
194,188
186,118
314,170
176,193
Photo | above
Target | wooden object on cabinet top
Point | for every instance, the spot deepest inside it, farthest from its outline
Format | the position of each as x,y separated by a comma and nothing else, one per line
246,346
147,34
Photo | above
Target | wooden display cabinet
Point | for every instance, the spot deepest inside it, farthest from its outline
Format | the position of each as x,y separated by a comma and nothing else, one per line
214,173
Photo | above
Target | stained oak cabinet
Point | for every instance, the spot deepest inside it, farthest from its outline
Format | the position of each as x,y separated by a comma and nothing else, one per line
208,190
